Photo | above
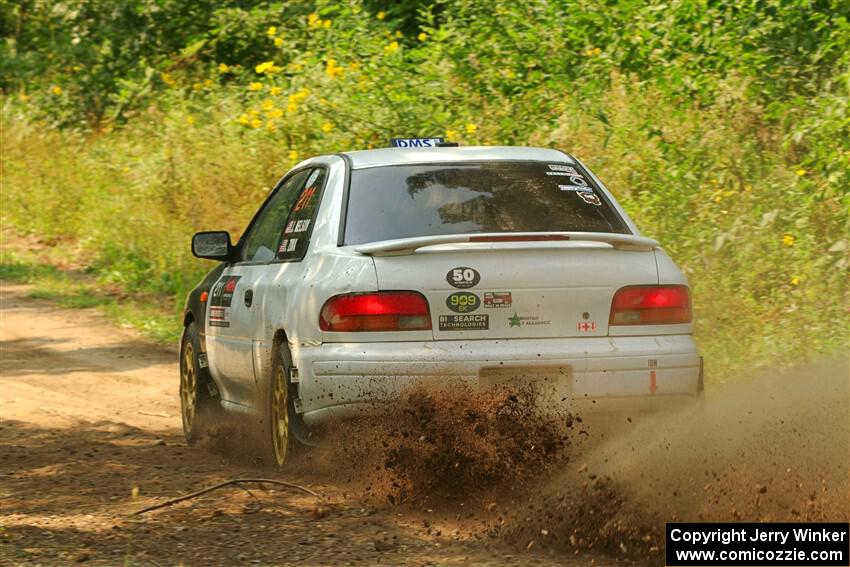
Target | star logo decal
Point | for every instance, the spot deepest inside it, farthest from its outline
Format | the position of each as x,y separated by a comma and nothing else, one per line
514,321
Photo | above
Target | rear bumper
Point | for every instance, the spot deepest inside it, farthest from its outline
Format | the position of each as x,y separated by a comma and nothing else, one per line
344,379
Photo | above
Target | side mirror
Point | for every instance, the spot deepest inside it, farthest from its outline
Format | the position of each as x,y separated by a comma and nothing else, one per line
213,245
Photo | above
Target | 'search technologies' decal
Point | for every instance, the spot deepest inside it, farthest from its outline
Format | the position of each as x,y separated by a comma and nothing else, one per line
221,299
463,278
464,322
463,302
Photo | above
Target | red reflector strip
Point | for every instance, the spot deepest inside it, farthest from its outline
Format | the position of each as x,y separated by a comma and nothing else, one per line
651,305
376,312
519,238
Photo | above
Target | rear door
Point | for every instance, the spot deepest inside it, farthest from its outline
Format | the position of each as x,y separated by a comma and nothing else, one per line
230,315
522,286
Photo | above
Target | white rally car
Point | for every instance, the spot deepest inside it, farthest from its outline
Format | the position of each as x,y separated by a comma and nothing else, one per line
368,271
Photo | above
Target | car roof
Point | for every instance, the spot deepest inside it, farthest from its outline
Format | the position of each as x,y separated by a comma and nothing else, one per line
395,156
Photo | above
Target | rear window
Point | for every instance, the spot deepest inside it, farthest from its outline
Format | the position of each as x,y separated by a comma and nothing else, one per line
410,200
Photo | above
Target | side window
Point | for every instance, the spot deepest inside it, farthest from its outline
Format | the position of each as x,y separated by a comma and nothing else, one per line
299,225
260,244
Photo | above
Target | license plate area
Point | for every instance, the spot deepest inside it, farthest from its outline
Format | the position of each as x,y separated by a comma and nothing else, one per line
558,377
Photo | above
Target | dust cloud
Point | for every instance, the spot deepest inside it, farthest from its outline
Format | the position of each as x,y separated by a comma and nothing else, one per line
772,446
769,446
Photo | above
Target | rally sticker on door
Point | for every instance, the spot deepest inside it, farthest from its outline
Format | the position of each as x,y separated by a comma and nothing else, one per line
464,322
463,278
220,300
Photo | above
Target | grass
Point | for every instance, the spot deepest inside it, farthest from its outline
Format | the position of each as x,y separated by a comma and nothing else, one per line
75,289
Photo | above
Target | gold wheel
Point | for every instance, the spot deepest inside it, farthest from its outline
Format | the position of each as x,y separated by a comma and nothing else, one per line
280,416
188,387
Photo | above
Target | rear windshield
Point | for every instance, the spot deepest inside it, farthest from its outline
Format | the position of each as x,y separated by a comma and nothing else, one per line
403,201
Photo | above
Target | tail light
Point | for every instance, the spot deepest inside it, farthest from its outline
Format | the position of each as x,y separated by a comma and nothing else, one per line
381,311
651,305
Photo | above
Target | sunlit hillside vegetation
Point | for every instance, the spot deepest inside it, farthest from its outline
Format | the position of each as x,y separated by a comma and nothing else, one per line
722,126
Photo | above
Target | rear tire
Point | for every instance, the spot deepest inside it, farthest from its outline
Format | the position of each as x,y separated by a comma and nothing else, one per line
198,407
278,440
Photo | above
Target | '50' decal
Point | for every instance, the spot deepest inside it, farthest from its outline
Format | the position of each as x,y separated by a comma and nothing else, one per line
463,278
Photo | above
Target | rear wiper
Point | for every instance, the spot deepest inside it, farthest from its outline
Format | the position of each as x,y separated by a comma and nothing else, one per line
406,246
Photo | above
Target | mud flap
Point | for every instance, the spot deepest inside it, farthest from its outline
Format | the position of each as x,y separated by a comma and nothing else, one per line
700,380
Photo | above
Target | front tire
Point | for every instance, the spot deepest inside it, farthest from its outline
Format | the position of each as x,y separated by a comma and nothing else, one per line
197,405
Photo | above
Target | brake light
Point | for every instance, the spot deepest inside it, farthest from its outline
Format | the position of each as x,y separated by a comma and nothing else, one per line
651,305
381,311
519,238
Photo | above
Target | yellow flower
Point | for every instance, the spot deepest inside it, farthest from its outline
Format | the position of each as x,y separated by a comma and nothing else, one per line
24,98
399,35
748,188
327,127
354,65
255,86
332,69
268,104
56,90
274,91
313,20
788,240
293,155
271,31
302,94
592,52
197,86
795,280
256,123
271,126
278,42
471,128
451,135
264,67
326,23
801,172
208,83
291,107
274,113
243,119
168,79
422,36
392,47
223,68
190,120
381,15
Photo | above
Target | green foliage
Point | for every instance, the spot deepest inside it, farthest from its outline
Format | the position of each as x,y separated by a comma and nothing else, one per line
723,127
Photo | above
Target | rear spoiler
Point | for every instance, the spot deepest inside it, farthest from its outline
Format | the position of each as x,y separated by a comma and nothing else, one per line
407,246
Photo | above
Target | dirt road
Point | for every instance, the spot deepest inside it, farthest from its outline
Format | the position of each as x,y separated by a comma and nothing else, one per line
91,433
